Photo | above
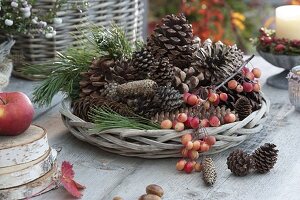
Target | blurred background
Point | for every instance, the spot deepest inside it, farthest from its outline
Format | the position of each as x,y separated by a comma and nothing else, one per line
231,21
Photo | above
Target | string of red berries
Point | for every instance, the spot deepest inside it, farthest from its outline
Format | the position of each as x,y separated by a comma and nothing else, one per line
249,83
192,147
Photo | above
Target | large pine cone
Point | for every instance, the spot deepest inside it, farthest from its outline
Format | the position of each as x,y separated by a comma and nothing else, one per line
239,162
83,106
209,171
217,61
124,71
265,157
93,81
173,38
243,107
165,99
162,72
142,60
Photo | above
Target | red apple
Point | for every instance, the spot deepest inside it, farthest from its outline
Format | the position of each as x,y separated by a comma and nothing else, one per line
16,113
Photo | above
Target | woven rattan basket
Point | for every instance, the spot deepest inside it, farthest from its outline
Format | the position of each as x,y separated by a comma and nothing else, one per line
161,143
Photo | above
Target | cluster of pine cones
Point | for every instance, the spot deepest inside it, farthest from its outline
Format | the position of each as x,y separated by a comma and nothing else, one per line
262,160
152,81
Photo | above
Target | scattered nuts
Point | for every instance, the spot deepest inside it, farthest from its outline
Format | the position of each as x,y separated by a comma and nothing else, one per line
117,198
155,189
149,197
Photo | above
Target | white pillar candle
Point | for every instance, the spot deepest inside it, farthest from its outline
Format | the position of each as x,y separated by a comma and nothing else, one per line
288,22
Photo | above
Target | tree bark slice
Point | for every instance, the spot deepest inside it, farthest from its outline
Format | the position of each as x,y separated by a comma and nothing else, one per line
41,185
24,148
21,174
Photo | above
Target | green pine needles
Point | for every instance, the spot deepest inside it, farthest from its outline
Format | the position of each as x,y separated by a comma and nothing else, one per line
63,74
111,42
105,118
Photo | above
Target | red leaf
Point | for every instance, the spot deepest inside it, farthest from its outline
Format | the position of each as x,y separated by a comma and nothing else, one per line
67,176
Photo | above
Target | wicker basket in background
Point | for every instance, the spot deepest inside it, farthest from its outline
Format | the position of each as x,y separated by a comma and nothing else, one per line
128,14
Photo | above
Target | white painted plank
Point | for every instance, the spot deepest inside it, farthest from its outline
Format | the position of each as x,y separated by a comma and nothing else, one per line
39,186
23,148
21,174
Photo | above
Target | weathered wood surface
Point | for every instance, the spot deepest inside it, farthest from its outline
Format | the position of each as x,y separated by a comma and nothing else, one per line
23,148
38,186
106,175
13,176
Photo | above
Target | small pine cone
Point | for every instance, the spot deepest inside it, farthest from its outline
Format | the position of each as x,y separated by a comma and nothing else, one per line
142,60
209,171
124,71
169,98
243,107
265,157
93,80
145,87
166,99
162,72
239,162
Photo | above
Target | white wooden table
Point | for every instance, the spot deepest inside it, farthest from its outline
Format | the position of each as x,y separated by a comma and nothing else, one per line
107,175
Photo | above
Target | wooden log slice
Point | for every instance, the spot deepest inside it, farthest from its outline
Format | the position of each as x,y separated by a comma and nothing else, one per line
21,174
24,148
39,186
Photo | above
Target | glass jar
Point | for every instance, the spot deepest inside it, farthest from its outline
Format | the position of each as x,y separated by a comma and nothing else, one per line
294,87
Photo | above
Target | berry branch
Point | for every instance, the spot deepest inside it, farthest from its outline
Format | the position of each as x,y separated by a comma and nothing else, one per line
235,73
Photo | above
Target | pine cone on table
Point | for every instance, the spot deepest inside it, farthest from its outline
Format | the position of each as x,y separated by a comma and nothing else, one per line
173,38
239,162
209,171
265,157
93,80
243,107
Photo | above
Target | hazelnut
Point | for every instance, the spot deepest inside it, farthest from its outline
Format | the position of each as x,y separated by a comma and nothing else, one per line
117,198
155,189
149,197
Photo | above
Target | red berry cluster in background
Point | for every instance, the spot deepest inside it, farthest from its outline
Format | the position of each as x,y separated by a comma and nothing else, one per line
192,146
249,83
268,42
